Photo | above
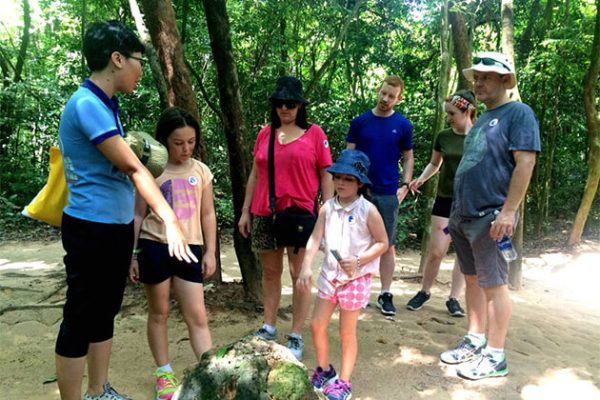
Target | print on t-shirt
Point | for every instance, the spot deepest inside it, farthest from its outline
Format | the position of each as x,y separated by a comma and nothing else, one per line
181,196
477,142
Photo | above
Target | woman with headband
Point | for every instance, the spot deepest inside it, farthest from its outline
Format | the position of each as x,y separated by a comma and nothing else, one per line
461,110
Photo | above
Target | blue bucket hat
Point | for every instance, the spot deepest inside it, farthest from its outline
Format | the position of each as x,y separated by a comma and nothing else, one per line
352,162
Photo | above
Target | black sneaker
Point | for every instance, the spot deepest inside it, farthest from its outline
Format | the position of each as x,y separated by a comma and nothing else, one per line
416,303
386,304
454,308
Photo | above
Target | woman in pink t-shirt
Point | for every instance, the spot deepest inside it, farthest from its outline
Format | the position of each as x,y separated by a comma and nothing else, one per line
301,155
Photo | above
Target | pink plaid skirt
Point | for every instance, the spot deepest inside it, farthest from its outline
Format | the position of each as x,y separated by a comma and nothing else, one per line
351,296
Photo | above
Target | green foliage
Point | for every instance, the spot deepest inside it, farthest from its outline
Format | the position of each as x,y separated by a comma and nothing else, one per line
271,38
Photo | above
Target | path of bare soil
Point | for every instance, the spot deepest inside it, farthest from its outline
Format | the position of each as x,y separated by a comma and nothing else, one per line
553,345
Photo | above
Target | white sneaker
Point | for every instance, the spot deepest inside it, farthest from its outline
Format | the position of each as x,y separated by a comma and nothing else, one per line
296,345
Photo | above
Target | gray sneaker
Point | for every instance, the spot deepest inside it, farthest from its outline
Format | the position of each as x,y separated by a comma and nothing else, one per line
109,394
465,351
296,345
484,367
263,333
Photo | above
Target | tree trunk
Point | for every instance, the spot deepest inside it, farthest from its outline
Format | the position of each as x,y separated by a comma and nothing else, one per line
548,14
335,49
161,23
508,35
232,116
508,39
590,83
7,106
462,46
83,25
24,42
525,45
157,75
442,92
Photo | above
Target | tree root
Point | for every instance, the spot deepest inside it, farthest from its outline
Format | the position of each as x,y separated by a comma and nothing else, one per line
30,307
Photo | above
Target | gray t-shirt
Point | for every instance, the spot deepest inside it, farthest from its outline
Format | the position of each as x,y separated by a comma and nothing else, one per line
484,173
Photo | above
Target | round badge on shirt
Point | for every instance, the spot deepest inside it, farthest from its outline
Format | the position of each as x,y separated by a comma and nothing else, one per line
193,180
494,122
351,220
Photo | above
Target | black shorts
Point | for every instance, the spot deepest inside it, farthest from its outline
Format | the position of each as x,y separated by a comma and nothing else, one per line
442,207
96,262
156,265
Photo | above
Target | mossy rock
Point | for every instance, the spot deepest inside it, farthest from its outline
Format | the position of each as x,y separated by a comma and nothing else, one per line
249,369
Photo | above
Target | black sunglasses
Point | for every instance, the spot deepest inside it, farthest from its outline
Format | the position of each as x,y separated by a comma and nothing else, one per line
289,104
490,62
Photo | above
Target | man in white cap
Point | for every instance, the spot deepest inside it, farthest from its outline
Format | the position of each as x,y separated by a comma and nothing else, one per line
490,183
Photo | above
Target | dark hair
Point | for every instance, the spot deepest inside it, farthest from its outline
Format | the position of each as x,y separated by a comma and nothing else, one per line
174,118
104,38
301,117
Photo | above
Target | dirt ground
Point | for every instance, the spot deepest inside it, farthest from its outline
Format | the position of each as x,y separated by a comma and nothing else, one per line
553,346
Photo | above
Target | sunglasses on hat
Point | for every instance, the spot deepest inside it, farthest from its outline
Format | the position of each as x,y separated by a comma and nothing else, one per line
289,104
490,62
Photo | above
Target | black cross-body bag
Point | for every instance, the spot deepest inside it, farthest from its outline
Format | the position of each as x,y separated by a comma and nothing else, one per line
291,227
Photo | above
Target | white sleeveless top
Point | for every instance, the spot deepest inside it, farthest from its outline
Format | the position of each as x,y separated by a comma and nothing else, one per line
347,232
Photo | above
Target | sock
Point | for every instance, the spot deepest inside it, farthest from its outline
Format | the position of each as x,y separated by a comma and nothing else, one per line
270,328
166,368
296,335
385,291
478,339
497,354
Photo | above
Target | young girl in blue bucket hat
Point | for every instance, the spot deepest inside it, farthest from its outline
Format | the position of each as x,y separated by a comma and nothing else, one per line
354,238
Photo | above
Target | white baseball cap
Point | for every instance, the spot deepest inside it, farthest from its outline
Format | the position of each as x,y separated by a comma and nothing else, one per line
490,61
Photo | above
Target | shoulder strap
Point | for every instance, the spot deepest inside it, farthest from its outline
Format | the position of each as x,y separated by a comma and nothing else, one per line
271,166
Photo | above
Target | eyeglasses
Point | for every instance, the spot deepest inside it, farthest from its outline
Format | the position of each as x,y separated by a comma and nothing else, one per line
289,104
141,60
345,178
490,62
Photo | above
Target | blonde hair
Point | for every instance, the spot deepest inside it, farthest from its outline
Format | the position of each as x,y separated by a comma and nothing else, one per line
395,81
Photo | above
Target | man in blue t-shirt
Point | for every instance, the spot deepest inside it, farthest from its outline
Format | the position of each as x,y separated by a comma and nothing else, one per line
386,136
490,183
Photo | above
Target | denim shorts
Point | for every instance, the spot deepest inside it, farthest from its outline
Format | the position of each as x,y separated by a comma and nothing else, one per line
477,252
388,207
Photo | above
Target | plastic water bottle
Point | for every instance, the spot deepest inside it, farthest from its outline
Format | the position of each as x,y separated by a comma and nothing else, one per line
506,249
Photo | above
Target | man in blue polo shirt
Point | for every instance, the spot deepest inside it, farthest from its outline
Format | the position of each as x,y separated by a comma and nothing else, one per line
97,224
386,137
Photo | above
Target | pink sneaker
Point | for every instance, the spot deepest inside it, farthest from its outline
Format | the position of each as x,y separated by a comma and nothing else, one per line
166,384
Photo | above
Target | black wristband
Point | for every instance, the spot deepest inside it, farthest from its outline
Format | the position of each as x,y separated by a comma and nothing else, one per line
403,184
